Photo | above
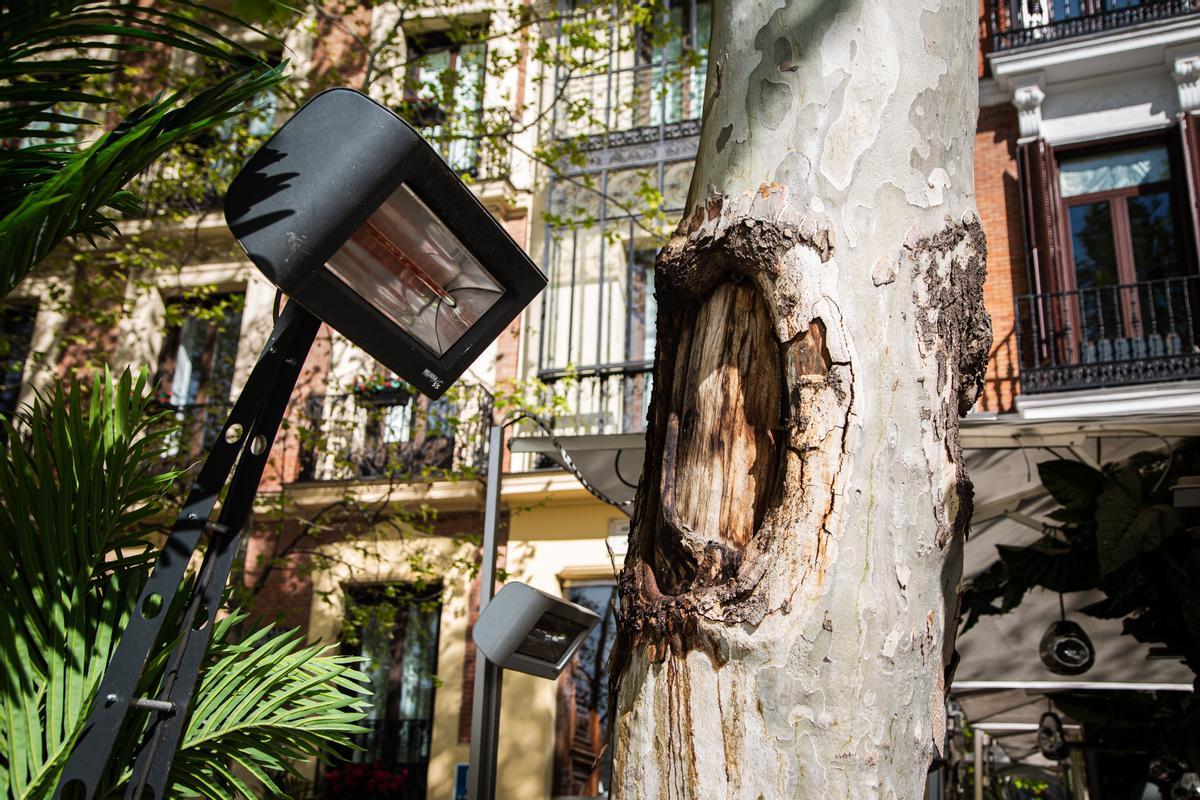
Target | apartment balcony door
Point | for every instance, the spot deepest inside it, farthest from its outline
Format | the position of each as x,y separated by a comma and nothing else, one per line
1123,253
394,628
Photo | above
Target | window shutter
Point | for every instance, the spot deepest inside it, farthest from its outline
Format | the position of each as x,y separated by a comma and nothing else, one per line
1040,214
1189,140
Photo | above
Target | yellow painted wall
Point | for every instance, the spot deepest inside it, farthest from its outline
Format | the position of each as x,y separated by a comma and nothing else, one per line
562,536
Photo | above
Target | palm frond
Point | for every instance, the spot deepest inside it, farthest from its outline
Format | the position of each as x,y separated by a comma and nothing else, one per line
53,63
263,705
76,487
73,484
67,202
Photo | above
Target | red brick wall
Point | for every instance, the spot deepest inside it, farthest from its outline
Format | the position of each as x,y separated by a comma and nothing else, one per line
283,466
286,595
340,54
999,202
508,346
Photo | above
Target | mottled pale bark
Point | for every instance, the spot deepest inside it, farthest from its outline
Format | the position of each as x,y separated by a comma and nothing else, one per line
790,592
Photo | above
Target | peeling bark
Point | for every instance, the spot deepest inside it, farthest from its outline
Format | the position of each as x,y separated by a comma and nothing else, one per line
789,596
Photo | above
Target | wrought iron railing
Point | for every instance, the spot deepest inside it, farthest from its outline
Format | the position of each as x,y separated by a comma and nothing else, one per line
1109,336
628,105
391,758
607,399
393,435
1020,23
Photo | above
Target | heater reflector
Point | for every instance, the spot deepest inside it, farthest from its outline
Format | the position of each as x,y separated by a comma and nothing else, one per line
407,264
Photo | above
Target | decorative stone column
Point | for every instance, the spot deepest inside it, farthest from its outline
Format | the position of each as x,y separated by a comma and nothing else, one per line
1186,72
1028,100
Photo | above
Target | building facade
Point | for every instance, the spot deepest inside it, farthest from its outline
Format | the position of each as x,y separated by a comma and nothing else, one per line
1088,186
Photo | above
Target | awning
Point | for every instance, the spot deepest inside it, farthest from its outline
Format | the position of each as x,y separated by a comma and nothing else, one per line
1002,454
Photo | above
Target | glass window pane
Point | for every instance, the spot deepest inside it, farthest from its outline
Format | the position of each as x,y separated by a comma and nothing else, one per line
1109,171
397,423
1152,230
1066,9
1095,268
1092,245
204,350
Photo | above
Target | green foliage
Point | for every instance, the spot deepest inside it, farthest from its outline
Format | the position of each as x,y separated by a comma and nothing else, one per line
1074,484
1118,533
73,498
78,503
1128,522
265,704
56,87
1166,724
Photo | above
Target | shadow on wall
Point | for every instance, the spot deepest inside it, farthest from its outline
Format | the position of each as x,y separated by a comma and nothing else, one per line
1002,383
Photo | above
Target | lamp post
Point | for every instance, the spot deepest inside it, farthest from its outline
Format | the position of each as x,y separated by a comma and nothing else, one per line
518,628
359,221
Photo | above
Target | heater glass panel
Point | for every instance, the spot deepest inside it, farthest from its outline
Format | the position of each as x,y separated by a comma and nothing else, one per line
550,638
410,267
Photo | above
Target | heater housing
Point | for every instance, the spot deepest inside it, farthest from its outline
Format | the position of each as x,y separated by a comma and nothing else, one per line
357,218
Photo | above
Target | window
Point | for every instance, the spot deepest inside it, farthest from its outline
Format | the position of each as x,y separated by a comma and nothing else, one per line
16,337
444,94
1122,227
1066,9
582,764
675,59
406,434
194,178
394,628
195,368
643,308
200,349
640,338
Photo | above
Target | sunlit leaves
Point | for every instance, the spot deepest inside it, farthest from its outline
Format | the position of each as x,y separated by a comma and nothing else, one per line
79,500
52,189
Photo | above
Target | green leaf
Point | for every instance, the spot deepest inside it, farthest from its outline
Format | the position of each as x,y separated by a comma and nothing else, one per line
1072,483
76,486
1125,528
53,191
1050,564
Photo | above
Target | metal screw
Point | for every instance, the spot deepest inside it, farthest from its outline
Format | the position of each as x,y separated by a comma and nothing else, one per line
154,705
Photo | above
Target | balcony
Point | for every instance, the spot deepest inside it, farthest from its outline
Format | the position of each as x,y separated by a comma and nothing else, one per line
385,436
630,105
1117,335
391,436
603,400
1021,23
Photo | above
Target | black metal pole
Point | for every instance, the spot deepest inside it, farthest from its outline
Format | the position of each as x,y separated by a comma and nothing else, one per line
248,432
489,677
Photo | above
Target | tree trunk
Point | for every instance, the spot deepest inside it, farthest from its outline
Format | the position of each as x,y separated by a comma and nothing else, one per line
789,598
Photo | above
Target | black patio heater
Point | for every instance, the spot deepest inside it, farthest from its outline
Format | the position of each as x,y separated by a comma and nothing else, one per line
362,225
